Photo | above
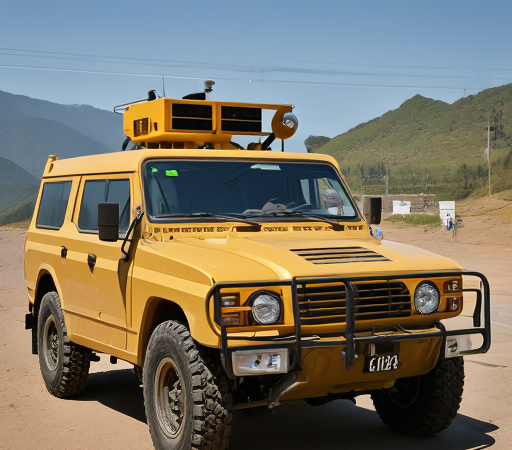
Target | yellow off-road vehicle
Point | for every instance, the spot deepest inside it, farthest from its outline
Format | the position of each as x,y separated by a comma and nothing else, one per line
236,278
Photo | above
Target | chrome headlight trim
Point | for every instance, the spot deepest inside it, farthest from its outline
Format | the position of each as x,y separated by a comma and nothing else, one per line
427,297
266,307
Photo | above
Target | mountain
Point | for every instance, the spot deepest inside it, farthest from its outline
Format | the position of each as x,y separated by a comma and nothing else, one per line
16,184
431,146
32,129
314,142
29,140
102,126
20,212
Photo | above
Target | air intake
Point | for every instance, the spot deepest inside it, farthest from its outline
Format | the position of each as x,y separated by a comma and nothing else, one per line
340,255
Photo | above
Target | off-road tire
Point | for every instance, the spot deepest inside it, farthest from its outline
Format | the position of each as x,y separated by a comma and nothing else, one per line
205,397
434,405
64,365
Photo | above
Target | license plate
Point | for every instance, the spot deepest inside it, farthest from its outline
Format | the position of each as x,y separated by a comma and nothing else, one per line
381,363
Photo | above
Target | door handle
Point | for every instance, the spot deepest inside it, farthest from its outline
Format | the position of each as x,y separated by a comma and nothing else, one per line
63,252
91,261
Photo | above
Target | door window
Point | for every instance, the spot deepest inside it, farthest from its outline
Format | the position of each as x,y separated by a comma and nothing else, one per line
101,191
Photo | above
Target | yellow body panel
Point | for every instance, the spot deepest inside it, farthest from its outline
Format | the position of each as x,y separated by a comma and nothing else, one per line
112,308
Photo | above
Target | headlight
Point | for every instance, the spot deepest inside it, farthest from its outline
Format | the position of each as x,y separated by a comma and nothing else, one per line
426,297
266,308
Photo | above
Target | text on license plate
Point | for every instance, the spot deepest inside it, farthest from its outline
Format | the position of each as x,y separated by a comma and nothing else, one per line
379,363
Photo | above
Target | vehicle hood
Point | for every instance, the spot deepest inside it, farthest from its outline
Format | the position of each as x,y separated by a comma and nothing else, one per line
259,256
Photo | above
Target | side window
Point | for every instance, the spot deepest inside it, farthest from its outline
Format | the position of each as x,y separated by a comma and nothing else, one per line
100,191
53,204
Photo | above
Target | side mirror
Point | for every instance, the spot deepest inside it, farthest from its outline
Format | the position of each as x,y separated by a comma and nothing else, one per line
372,209
108,221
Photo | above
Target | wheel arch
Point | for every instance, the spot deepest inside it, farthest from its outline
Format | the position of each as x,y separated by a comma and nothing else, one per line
157,311
46,282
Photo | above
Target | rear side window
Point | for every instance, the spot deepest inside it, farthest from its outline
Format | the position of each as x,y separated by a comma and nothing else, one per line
52,207
100,191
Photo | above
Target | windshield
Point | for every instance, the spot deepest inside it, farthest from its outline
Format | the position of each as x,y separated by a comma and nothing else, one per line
177,188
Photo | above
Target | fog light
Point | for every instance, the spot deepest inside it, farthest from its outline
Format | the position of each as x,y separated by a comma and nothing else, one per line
455,345
254,362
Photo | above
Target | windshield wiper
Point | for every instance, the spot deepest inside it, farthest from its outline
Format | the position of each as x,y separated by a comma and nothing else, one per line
233,217
335,225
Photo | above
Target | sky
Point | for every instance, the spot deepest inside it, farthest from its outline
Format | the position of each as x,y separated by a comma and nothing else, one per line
340,63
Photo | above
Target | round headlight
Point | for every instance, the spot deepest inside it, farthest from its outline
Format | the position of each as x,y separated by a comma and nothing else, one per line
426,297
266,308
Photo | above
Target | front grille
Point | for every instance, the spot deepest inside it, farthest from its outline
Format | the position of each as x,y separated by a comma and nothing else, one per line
339,255
325,304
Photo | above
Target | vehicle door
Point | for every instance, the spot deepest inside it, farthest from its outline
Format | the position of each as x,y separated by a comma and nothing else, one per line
101,292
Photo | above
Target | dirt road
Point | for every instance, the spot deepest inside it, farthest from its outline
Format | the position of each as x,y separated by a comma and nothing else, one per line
111,412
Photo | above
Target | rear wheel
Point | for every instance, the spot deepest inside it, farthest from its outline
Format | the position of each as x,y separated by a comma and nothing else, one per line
64,365
187,397
423,405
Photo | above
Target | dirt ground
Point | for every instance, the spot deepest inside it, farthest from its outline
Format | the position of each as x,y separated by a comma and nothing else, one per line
111,412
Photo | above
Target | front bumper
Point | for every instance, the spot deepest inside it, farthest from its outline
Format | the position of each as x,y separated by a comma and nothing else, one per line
346,338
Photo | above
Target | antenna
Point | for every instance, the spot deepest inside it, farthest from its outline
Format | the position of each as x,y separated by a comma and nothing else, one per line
163,83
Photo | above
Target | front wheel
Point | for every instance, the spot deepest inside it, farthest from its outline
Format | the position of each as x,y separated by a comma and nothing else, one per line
187,398
423,405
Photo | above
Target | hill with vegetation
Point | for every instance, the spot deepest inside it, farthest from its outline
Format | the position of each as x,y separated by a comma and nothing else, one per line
18,190
32,129
428,146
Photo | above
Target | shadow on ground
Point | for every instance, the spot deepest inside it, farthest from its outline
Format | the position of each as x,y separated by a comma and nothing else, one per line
339,424
117,390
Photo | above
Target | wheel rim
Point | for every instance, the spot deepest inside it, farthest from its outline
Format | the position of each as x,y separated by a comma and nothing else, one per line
169,398
51,343
405,392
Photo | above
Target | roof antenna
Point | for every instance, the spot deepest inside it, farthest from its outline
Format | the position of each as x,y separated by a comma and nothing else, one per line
163,83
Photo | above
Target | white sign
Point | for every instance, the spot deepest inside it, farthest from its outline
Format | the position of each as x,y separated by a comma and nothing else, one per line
446,211
400,207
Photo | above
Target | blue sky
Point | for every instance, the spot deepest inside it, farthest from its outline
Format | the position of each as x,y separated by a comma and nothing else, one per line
339,62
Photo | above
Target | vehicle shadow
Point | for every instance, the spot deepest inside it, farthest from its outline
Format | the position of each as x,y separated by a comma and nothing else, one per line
117,390
299,426
341,424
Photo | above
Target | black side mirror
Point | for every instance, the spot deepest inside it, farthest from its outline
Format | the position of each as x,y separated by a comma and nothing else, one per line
108,221
372,210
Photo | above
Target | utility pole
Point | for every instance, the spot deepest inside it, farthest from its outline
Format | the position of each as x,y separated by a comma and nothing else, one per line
488,152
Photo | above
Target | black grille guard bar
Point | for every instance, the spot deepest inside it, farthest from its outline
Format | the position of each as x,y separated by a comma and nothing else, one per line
295,342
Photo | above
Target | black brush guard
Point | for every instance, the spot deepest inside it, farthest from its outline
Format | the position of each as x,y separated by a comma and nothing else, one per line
298,341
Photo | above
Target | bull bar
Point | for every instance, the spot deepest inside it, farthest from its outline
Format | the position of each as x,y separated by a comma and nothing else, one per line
298,341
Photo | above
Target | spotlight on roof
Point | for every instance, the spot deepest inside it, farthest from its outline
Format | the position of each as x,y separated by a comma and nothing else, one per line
208,85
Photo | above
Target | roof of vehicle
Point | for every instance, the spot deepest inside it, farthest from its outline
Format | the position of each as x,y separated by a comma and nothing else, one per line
129,161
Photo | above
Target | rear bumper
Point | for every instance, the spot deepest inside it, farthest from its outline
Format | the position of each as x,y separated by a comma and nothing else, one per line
347,340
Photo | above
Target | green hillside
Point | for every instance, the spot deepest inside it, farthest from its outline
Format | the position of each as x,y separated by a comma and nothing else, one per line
430,146
16,186
20,212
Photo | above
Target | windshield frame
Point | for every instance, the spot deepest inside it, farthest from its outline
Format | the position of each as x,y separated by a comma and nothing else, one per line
260,218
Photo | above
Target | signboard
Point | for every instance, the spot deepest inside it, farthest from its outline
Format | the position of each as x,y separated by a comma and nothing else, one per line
401,207
446,211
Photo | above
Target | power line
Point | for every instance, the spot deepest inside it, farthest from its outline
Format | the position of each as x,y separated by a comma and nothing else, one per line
312,83
244,68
